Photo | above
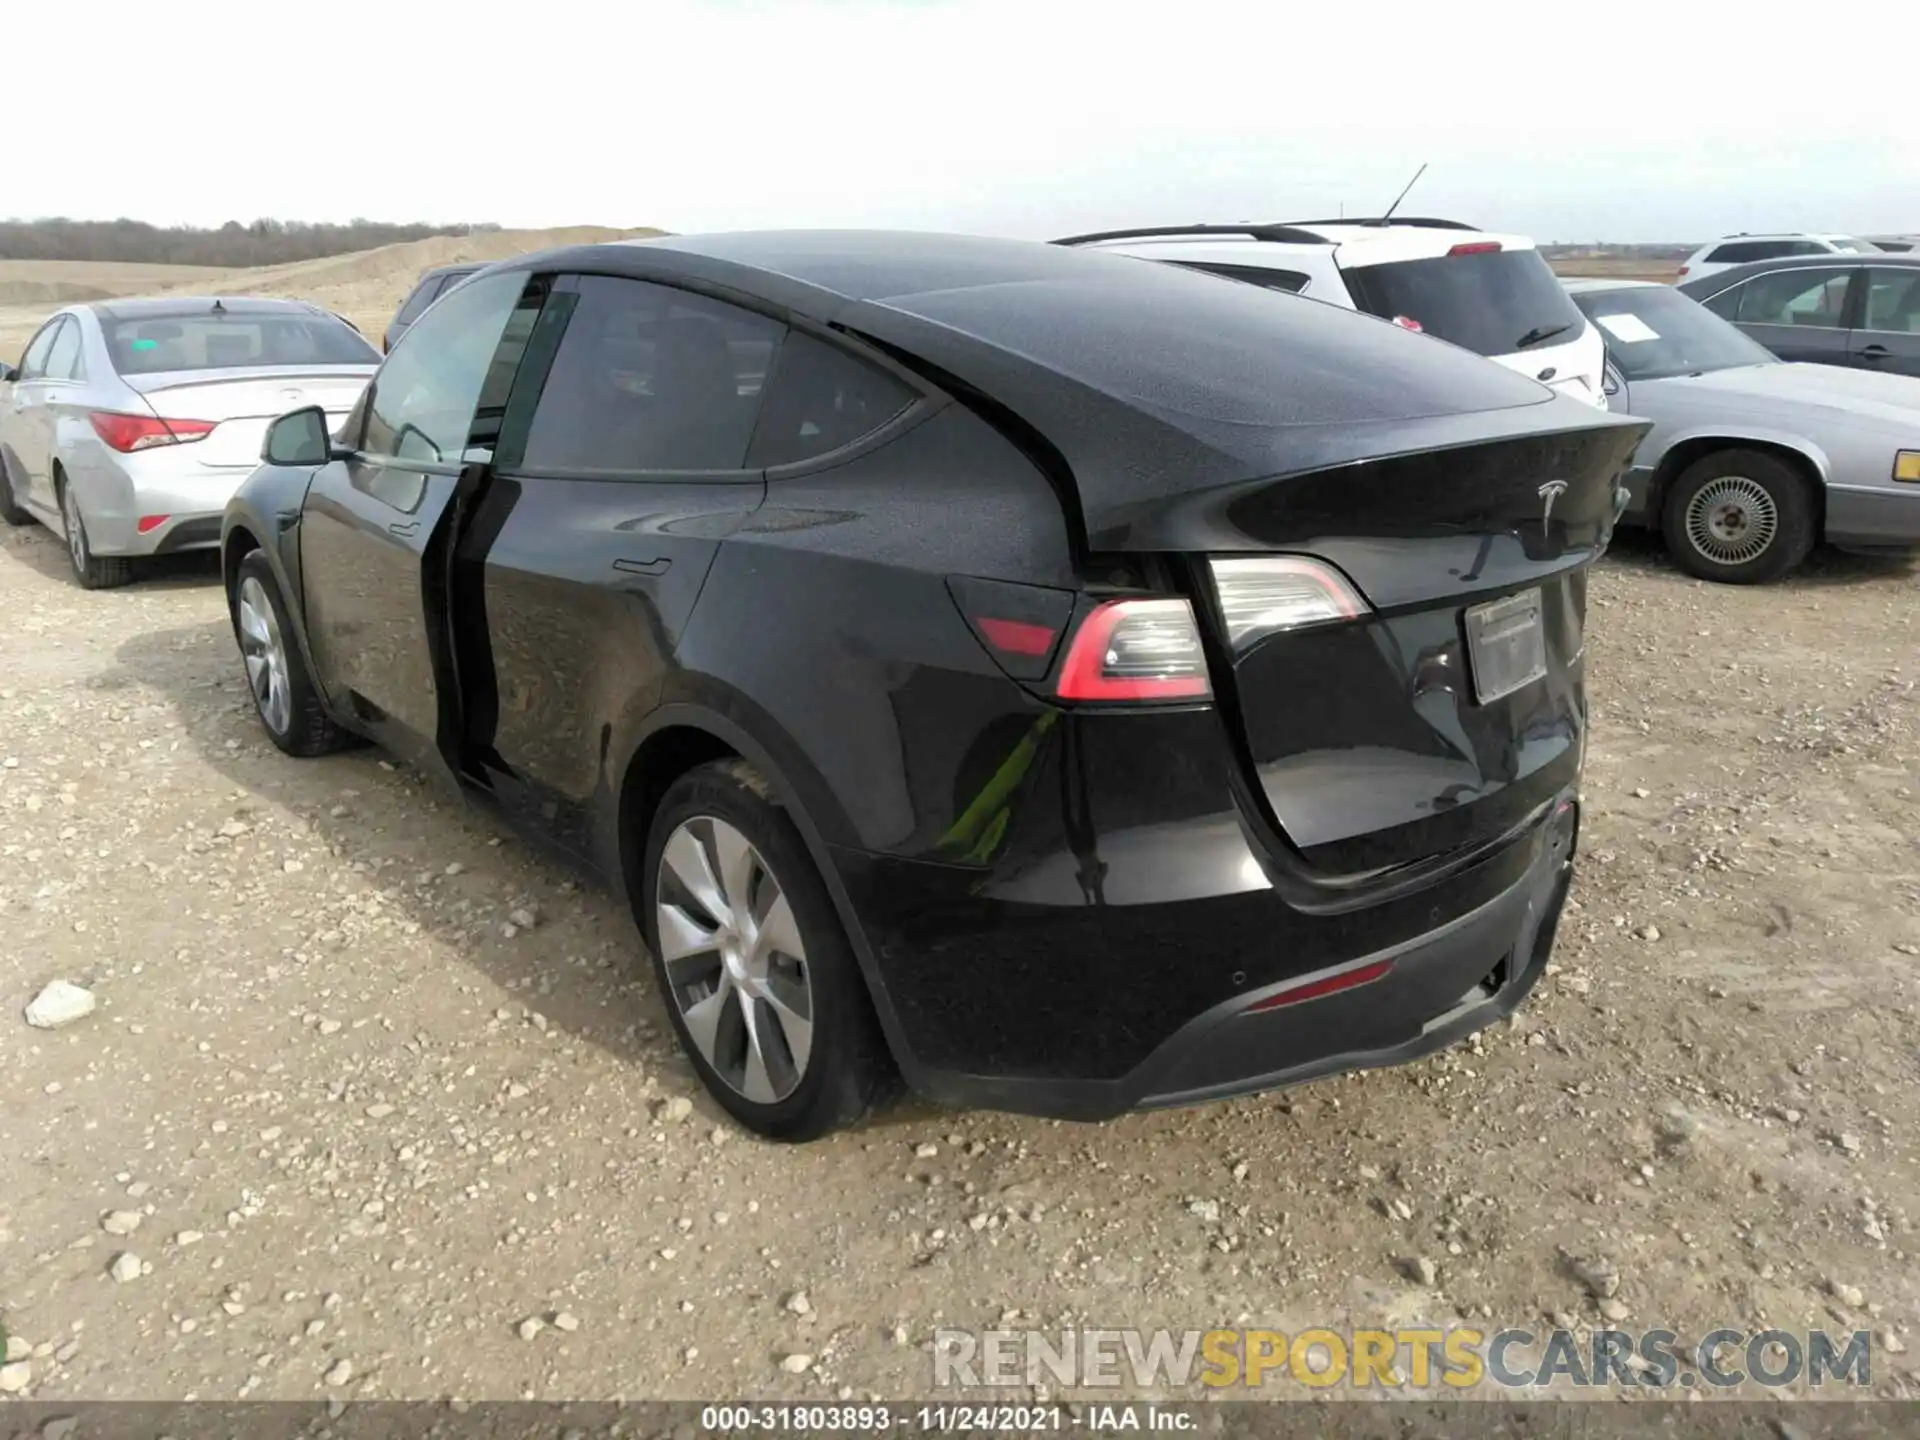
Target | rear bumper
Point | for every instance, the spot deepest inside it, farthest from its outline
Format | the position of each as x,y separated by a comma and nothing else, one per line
1873,519
1442,988
1039,1015
115,491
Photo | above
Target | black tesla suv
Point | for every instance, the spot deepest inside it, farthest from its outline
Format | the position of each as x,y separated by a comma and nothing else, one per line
1066,682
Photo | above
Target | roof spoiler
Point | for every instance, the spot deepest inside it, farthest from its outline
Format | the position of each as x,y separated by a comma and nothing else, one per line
1279,234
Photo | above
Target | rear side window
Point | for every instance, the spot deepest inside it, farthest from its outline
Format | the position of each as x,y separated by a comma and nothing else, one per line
423,401
647,377
820,399
1493,302
204,340
1291,281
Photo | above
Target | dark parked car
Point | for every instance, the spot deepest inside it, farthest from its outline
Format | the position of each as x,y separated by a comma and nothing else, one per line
431,286
1075,682
1861,310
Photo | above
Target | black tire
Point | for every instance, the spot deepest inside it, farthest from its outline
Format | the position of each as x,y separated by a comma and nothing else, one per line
308,729
10,509
94,572
848,1069
1732,496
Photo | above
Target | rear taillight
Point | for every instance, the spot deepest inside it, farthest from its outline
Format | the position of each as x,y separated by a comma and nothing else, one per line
1475,247
1265,594
1135,650
128,433
1684,269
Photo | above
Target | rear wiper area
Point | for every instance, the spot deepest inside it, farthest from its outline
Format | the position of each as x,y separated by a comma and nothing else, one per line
1540,333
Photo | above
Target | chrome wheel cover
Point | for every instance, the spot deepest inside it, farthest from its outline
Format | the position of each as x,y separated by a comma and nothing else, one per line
735,963
265,652
1732,520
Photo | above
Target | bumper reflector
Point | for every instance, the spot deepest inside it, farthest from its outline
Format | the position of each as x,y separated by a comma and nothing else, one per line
151,522
1327,985
1906,465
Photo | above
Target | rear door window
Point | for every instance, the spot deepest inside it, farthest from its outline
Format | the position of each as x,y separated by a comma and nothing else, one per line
33,364
1493,302
820,399
649,378
1815,296
63,359
1893,301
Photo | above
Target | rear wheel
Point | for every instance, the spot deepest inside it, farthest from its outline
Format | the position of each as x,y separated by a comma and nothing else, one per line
94,572
11,510
1741,517
758,974
284,694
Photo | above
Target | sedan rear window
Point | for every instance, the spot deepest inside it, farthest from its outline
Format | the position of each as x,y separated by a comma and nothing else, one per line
201,340
1493,302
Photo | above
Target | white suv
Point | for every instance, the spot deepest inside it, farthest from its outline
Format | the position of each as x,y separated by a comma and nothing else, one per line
1492,294
1732,250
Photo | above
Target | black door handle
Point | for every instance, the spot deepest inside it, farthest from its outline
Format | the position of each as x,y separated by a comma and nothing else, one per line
642,567
1875,352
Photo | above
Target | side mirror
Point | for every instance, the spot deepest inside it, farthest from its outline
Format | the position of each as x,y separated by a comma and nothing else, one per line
298,438
8,373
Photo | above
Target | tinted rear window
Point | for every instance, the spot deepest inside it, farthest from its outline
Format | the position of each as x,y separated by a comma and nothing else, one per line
1493,303
820,399
204,341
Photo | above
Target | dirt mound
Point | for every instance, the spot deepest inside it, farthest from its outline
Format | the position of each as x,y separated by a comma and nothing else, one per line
368,285
51,292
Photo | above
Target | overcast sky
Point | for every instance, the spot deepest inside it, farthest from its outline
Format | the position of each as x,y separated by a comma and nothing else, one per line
1018,117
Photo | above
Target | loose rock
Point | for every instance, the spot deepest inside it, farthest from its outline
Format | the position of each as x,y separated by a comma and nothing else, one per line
125,1267
797,1364
60,1003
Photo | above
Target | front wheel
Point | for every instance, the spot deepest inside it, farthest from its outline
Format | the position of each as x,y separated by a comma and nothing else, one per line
757,973
284,694
1741,517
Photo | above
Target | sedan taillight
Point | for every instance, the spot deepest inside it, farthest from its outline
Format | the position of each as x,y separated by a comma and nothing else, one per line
128,433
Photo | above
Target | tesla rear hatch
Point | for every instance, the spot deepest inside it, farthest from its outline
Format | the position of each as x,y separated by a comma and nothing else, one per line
1380,543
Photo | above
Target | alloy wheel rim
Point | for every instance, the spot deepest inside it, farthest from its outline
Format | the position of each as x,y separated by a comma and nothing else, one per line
1732,520
735,962
76,528
266,656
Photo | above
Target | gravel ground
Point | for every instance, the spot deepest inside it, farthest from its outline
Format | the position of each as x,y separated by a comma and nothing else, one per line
370,1106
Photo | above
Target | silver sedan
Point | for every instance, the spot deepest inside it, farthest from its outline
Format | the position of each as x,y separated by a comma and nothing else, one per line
1752,460
128,424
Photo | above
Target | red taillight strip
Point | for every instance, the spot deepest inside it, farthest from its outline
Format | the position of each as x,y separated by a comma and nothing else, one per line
1016,637
1326,985
1475,247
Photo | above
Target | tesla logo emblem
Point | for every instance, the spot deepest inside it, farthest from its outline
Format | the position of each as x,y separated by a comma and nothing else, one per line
1550,492
1547,374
